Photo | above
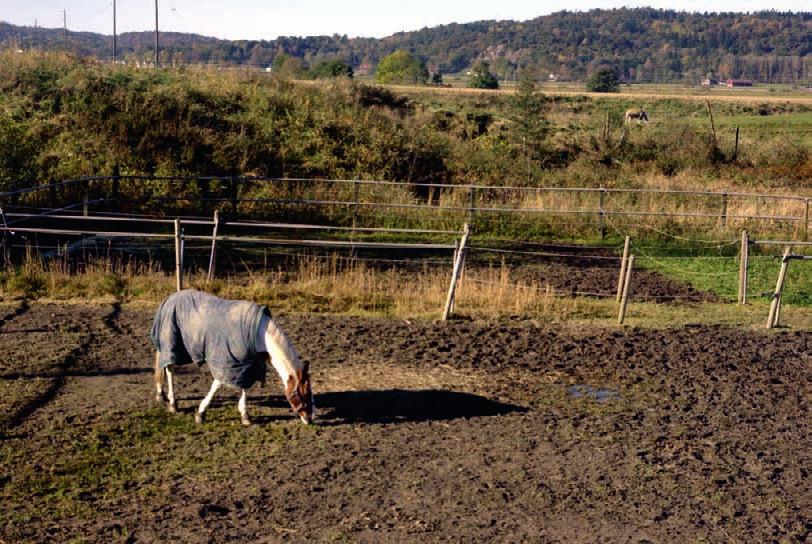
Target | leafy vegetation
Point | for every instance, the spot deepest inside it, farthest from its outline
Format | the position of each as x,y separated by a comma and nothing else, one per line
603,80
644,44
401,67
482,78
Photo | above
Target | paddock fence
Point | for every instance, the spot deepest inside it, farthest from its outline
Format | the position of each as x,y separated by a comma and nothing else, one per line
512,211
248,224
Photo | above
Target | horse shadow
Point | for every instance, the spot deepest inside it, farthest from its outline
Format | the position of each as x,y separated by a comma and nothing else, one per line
405,406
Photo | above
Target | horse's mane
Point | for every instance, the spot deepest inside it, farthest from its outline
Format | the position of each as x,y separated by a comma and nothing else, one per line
285,346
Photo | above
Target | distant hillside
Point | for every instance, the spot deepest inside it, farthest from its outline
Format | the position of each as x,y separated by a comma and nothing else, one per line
646,45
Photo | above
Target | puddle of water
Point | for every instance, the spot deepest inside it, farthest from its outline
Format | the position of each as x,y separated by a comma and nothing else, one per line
599,395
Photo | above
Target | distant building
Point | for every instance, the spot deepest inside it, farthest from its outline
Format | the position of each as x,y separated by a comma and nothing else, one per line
739,83
552,77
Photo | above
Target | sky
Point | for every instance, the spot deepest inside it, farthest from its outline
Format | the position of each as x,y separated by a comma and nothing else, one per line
268,19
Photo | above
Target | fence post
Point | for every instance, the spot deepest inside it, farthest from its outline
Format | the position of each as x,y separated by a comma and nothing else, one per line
471,198
357,205
602,213
775,307
178,256
85,189
806,219
744,256
116,181
723,217
210,276
623,263
233,195
621,316
449,301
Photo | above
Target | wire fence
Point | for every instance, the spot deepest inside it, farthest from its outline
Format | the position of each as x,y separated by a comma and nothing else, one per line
351,217
356,203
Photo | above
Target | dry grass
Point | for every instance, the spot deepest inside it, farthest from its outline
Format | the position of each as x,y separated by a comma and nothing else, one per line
334,286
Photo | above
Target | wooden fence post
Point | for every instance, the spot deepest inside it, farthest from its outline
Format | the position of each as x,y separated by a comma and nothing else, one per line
723,216
449,301
623,263
621,316
775,307
357,205
233,196
806,219
178,256
602,213
471,197
744,257
85,197
212,257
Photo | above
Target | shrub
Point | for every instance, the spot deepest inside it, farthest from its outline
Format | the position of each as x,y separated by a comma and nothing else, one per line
401,67
604,80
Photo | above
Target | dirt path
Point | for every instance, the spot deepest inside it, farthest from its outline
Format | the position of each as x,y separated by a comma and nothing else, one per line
461,432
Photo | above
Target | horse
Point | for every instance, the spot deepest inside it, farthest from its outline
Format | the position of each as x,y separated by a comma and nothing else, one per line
640,116
236,339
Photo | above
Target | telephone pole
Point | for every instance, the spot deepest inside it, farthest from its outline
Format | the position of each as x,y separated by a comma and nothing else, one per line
36,32
157,62
114,32
65,27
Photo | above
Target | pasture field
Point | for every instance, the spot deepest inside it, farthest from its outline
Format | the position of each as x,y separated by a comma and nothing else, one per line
472,430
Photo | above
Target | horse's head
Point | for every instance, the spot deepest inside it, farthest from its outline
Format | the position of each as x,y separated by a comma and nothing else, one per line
643,116
300,395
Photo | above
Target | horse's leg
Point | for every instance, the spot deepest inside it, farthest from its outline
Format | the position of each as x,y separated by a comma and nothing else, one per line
159,379
200,415
170,390
242,406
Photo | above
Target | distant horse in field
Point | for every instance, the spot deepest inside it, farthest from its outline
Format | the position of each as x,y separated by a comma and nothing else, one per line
639,116
236,339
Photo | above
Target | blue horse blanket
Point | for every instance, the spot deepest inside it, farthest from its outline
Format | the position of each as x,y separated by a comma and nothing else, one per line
191,326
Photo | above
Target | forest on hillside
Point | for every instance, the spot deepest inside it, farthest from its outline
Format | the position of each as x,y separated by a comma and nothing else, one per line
643,45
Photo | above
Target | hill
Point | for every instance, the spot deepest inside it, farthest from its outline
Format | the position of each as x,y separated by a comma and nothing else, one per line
644,44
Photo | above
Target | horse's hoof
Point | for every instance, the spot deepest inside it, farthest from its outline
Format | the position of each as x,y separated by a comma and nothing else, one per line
246,421
200,418
173,408
160,398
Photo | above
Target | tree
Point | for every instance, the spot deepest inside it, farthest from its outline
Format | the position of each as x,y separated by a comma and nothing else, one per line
529,128
286,66
330,68
401,67
482,78
437,78
604,80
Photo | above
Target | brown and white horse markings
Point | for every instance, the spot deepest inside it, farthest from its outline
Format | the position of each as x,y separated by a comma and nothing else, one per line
637,115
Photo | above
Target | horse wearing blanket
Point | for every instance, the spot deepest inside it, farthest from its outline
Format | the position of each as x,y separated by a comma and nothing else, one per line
236,339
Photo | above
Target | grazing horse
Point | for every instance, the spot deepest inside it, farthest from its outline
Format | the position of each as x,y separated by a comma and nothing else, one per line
236,339
640,116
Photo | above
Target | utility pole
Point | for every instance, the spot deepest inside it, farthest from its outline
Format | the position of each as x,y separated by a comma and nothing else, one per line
157,62
65,27
35,33
114,32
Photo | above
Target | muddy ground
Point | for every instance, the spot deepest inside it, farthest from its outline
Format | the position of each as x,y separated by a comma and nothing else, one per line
462,432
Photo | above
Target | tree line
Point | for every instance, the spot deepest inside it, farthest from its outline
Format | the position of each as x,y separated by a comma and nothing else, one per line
642,44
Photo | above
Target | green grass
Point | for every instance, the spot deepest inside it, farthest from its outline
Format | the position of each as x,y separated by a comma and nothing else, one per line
720,275
143,452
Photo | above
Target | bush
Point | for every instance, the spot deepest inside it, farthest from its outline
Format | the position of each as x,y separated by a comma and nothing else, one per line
482,78
604,80
401,67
